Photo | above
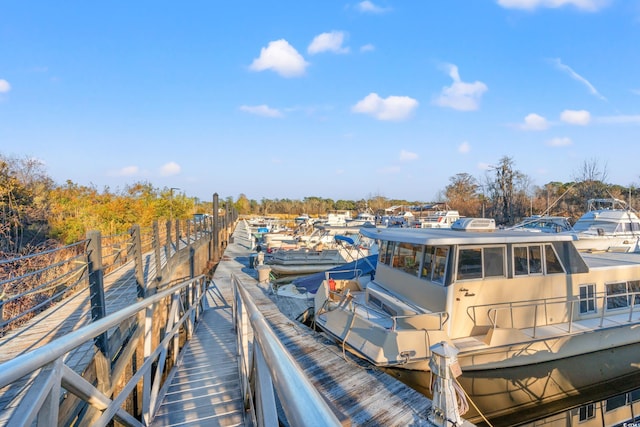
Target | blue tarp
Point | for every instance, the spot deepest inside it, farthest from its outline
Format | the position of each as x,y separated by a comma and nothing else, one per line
349,240
364,266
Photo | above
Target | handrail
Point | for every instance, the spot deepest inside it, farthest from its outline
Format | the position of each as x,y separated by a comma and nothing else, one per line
600,299
51,356
304,406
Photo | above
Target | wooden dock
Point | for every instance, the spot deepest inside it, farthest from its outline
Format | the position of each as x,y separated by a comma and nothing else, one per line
205,388
365,396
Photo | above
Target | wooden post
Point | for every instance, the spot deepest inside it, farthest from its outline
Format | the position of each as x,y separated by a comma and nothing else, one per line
177,235
96,285
169,241
216,229
136,250
188,232
158,258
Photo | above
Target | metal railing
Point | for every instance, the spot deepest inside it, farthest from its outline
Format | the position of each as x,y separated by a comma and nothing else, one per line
266,365
604,305
42,397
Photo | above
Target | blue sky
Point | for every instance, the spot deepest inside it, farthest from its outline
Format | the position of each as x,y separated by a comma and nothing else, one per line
335,99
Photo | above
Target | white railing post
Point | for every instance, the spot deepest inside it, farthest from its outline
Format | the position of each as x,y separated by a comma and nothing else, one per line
445,368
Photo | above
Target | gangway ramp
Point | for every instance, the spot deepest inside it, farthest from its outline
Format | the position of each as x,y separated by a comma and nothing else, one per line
361,394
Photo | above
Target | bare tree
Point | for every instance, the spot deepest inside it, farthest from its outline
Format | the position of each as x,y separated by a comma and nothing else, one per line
591,179
506,185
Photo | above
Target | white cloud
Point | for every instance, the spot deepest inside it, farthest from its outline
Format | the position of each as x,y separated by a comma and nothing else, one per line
395,108
576,117
368,7
534,122
558,63
169,169
280,57
559,142
261,110
407,155
125,171
484,166
460,95
619,119
4,86
367,48
586,5
464,148
328,42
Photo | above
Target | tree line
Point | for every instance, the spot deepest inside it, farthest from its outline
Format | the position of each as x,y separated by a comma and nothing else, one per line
37,213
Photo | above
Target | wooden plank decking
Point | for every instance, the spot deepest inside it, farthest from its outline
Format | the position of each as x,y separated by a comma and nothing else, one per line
365,396
205,390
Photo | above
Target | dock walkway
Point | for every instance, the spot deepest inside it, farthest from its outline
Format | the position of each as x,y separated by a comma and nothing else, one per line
363,395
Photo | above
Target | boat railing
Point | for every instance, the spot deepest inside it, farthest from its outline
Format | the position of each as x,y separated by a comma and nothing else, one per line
266,366
442,318
604,305
398,322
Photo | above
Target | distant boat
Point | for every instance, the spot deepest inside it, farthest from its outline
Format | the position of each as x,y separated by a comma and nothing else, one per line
439,219
303,260
608,225
359,268
544,224
321,257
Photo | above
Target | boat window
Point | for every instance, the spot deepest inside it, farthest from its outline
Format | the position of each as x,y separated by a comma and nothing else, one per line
520,261
440,264
587,412
493,261
476,263
386,252
587,299
616,295
527,260
427,262
407,258
634,292
552,262
615,402
470,264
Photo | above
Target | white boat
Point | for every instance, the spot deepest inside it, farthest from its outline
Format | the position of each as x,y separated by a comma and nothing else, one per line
303,260
439,219
544,224
503,298
608,225
365,218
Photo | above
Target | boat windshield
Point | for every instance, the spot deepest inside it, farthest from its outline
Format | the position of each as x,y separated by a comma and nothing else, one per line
428,263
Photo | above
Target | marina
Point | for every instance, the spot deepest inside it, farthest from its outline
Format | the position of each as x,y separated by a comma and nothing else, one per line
526,390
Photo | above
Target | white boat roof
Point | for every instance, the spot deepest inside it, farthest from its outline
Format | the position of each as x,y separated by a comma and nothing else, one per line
445,236
608,259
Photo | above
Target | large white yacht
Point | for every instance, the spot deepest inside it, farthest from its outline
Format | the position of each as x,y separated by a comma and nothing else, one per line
503,298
